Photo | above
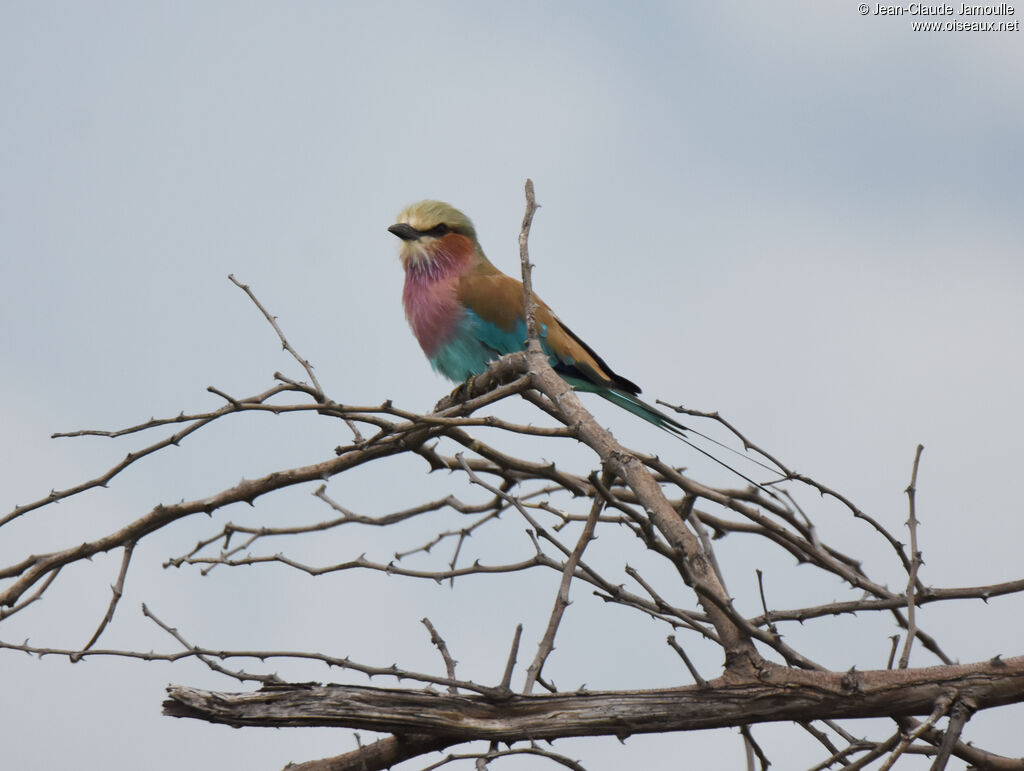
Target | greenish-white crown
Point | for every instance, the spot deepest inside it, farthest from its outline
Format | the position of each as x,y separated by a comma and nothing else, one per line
427,215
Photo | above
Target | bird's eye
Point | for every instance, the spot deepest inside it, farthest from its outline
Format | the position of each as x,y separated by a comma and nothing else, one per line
438,230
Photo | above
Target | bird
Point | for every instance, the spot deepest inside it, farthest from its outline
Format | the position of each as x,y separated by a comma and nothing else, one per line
465,312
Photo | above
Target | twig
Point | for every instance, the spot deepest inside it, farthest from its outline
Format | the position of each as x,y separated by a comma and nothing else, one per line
390,568
689,619
103,479
494,753
196,651
959,714
942,705
439,643
196,421
892,651
915,563
686,660
871,755
547,643
284,342
584,572
846,735
689,513
529,302
117,591
821,736
513,654
240,675
764,605
789,474
753,748
36,595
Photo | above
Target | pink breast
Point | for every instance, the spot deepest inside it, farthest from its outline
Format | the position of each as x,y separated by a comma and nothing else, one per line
431,308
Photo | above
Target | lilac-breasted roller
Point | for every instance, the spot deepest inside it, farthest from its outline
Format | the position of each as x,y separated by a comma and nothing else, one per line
465,312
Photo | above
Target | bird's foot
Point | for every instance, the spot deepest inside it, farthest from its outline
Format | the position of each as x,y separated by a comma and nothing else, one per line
461,391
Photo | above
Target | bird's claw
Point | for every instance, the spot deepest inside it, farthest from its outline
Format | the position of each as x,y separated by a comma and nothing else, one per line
461,391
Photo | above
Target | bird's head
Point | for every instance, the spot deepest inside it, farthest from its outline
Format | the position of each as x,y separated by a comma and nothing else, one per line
431,231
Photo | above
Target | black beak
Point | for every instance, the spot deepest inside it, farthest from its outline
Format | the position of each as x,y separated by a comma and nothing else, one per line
405,232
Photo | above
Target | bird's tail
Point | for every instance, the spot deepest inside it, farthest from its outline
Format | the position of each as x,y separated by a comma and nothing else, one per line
642,409
666,423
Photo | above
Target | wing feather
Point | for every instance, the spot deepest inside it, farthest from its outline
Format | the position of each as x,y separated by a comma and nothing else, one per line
498,299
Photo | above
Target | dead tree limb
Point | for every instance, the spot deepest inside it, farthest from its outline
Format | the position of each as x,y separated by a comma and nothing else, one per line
781,694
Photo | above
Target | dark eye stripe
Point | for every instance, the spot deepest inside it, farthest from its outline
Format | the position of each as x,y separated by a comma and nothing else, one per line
437,231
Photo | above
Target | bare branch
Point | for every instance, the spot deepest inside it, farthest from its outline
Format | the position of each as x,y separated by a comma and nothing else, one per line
686,660
942,705
382,754
547,642
915,563
513,653
442,647
494,753
787,694
239,675
117,590
284,342
792,475
753,748
524,258
198,652
959,714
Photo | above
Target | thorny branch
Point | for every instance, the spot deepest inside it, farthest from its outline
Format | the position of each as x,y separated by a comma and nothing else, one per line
529,303
915,562
547,643
545,514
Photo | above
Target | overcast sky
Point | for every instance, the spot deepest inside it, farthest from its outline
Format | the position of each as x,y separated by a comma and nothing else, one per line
806,218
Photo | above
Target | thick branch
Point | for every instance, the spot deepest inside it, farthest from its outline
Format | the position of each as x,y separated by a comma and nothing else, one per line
383,753
783,694
694,565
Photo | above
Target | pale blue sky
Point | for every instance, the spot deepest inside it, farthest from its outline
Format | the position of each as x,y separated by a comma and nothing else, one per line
805,218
